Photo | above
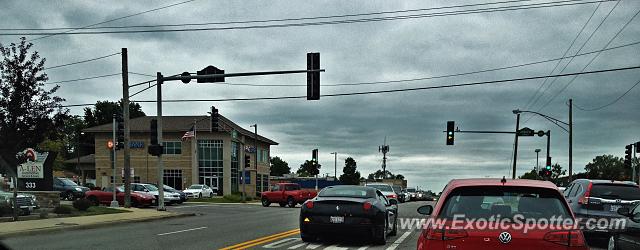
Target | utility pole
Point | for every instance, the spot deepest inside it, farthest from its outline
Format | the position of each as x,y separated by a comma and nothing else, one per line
515,149
114,202
570,140
255,145
125,114
160,80
335,164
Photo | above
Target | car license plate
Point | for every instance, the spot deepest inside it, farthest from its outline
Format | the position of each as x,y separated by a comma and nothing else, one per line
336,219
614,208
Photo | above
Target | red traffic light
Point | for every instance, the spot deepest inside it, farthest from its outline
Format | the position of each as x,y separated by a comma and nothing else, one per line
110,144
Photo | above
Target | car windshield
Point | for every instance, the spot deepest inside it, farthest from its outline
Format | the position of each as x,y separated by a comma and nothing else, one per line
613,191
507,202
151,187
383,188
195,187
68,182
347,191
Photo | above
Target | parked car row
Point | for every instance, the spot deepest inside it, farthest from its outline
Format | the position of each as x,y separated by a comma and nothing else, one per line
26,203
146,194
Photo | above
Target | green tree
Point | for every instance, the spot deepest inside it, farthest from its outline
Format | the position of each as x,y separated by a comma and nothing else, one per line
308,169
279,167
607,167
531,175
378,174
29,111
399,177
350,175
102,112
557,172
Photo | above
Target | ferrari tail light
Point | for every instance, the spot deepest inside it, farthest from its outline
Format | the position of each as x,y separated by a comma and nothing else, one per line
366,206
309,204
573,238
584,200
445,234
392,196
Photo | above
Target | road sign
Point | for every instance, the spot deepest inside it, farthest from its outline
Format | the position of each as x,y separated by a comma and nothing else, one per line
526,132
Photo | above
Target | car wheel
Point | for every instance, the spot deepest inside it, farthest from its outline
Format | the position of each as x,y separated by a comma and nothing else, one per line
307,237
69,196
211,195
291,202
94,201
394,231
265,202
134,203
282,204
612,243
381,234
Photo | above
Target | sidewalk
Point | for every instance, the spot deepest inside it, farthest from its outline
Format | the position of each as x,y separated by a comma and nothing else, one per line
8,229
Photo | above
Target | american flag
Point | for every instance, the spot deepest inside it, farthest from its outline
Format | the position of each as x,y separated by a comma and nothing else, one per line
189,134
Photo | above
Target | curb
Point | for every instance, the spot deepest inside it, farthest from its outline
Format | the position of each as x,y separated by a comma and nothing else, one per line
91,226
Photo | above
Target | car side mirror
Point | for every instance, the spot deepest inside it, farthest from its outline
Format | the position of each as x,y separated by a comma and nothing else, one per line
425,210
624,211
393,202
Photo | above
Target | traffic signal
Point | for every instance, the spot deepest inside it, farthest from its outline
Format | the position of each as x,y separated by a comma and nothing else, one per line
210,70
313,78
247,161
450,132
638,147
314,155
153,148
627,155
215,118
547,168
119,132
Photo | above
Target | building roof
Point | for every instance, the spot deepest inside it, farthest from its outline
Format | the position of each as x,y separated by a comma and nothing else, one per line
85,159
179,124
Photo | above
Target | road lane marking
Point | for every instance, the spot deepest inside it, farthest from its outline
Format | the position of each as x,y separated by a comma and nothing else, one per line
399,241
182,231
313,246
363,248
336,247
298,246
262,240
280,244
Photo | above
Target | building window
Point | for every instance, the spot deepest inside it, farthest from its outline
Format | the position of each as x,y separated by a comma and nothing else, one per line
210,163
265,182
265,156
118,179
258,183
136,179
172,147
173,178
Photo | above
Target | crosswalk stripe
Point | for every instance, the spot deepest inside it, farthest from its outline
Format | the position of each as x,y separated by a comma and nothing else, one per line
399,241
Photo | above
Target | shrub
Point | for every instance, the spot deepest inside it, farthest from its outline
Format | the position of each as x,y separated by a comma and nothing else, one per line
233,197
44,214
82,204
63,209
5,209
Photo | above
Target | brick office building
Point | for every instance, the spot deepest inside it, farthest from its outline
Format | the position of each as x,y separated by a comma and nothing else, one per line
218,161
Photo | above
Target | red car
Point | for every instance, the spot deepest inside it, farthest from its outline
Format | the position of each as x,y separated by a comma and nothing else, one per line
105,197
287,194
500,214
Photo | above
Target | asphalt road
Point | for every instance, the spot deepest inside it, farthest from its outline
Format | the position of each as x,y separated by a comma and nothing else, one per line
215,226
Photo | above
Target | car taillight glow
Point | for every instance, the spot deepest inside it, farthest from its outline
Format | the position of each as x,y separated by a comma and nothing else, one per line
309,204
445,234
584,200
392,196
573,238
366,206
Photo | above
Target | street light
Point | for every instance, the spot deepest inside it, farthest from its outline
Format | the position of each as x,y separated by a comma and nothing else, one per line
557,122
335,164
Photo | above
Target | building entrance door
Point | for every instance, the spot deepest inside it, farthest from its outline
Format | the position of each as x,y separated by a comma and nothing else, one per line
212,181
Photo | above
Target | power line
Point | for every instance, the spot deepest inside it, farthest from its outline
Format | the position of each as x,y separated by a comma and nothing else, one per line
590,62
564,54
346,21
436,77
84,61
141,74
110,20
608,104
268,20
571,60
86,78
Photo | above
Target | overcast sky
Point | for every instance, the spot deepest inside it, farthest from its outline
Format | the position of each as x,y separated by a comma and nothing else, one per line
355,126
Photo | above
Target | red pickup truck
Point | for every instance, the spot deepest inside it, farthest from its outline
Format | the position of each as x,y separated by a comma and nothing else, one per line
286,194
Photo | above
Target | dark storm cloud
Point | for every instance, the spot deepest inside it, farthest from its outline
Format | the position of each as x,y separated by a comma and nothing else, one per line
354,126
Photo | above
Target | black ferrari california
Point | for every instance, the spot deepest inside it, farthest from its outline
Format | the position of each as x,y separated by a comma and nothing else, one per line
346,209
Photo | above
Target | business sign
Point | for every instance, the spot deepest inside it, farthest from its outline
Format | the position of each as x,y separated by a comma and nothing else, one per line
247,177
36,173
34,167
526,132
136,144
249,149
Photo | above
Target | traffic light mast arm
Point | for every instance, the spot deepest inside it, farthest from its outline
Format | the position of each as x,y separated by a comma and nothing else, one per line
555,121
193,76
483,132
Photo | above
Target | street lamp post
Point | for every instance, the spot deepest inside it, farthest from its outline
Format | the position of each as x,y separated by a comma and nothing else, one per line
335,164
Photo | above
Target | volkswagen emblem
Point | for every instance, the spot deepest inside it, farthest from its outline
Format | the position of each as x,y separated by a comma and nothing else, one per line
618,201
504,237
337,208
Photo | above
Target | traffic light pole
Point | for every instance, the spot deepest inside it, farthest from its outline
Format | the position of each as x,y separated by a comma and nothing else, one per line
114,202
160,200
515,148
548,143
